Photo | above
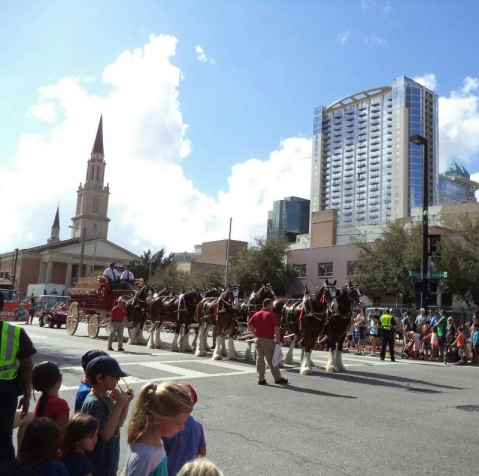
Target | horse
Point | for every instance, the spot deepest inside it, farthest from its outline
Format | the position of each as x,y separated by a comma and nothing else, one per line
306,317
137,313
180,311
220,312
339,324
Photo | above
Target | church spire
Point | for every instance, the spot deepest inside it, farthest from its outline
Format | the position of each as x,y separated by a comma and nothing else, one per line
55,236
98,145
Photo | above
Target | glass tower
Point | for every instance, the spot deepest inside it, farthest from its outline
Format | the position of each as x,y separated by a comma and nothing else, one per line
289,217
363,164
456,186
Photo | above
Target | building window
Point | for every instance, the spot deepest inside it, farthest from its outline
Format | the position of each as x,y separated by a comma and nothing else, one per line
96,205
300,270
325,270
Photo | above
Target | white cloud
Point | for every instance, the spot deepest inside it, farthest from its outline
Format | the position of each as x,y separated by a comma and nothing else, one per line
152,204
343,38
202,56
374,40
428,80
459,125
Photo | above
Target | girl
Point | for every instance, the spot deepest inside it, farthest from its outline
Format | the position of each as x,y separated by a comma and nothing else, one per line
434,344
200,467
81,434
160,411
46,378
373,332
416,347
450,330
40,448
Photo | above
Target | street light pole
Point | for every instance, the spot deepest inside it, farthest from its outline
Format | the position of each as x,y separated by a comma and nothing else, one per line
419,140
83,233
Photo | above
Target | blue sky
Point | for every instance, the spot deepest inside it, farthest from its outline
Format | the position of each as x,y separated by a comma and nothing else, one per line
225,123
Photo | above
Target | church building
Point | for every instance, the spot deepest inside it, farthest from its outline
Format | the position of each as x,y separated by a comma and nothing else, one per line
88,249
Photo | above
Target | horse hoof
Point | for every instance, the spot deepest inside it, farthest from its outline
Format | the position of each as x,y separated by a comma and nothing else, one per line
217,357
175,349
306,371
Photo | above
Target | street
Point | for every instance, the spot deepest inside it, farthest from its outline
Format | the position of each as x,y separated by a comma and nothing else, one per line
378,417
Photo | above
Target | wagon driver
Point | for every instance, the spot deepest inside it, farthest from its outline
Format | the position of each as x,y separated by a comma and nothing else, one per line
127,277
113,276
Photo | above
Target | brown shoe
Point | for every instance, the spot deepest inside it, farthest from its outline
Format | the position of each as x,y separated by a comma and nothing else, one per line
281,381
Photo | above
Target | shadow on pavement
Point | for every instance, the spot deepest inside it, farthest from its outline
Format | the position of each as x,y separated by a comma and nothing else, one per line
310,391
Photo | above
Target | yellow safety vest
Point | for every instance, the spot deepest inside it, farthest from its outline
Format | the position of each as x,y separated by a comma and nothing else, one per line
386,322
9,345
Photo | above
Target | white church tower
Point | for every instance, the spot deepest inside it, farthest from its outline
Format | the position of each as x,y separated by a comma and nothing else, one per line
92,198
55,235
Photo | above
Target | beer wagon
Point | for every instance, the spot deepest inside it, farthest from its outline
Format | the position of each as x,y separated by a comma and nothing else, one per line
91,300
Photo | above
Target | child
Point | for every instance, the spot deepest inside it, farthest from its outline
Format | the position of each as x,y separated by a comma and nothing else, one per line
434,344
81,435
200,467
460,343
416,344
356,337
46,378
84,387
161,411
40,448
109,407
188,444
475,343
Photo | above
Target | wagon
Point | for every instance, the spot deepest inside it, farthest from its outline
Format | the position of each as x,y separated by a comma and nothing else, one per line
92,301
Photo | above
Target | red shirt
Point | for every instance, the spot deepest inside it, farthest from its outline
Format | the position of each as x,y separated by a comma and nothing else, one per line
54,408
264,321
118,314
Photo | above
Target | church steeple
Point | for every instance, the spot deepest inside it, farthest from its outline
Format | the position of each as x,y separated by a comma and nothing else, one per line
92,198
98,145
55,236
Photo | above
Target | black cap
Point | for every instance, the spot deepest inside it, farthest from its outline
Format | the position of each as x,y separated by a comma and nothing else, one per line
104,365
90,355
112,264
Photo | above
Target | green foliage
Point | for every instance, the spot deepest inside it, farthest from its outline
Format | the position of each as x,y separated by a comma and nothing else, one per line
263,261
385,264
149,263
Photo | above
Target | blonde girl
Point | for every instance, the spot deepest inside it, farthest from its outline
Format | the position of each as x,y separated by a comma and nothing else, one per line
81,435
200,467
160,411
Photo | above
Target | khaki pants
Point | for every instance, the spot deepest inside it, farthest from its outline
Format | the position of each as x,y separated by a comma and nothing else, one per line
265,350
118,331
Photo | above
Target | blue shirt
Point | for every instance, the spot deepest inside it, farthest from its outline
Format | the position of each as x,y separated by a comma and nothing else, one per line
146,460
184,446
475,338
83,390
106,454
77,464
52,467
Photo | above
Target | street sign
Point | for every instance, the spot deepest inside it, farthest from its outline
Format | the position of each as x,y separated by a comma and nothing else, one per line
415,274
442,274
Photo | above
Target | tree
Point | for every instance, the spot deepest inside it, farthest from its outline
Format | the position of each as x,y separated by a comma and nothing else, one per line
263,261
385,264
148,263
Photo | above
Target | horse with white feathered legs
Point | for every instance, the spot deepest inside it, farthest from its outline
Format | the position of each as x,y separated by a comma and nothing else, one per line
339,324
220,312
137,314
307,318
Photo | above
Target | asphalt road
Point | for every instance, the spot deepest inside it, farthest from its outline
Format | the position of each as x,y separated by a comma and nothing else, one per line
377,418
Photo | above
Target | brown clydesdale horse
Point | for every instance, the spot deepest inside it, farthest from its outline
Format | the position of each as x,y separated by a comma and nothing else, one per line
180,311
339,324
306,317
220,312
137,314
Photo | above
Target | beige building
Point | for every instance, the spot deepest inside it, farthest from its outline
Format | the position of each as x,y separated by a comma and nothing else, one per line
59,261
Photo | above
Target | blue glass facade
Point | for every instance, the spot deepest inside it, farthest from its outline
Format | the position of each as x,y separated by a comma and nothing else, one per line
451,192
289,217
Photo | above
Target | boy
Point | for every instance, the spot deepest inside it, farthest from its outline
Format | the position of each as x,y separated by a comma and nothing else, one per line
103,374
188,444
84,388
460,343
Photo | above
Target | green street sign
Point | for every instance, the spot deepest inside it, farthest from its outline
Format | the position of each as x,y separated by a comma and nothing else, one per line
415,274
442,274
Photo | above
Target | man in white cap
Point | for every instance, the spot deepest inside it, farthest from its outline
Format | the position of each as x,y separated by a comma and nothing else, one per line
420,320
113,276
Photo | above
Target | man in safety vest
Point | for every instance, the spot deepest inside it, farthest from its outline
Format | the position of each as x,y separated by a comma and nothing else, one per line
387,323
16,350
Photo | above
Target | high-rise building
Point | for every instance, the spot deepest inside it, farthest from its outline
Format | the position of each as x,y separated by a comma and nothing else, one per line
289,218
363,164
456,186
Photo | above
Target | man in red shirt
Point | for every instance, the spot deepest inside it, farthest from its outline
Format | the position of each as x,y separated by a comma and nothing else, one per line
264,325
117,324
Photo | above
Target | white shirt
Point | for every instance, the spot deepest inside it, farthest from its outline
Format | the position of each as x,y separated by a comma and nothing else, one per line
127,275
113,274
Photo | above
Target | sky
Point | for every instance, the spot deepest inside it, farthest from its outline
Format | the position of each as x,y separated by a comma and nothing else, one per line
207,105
